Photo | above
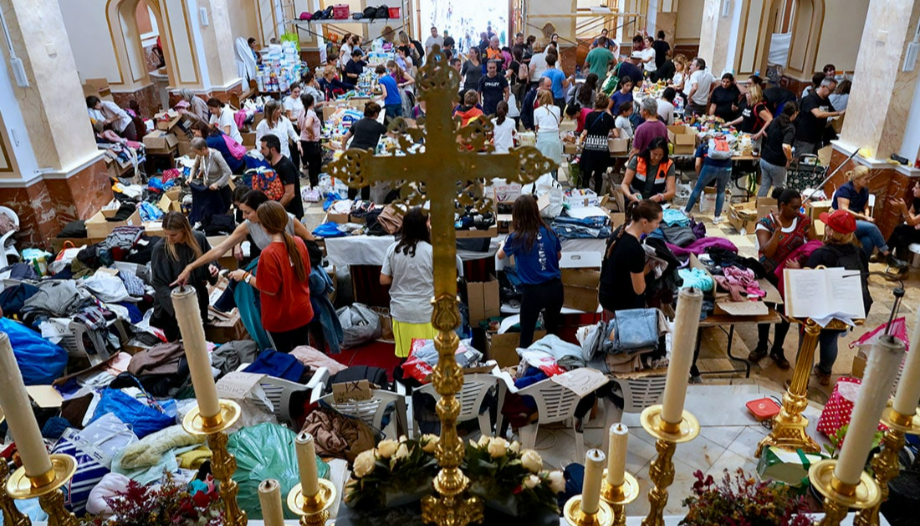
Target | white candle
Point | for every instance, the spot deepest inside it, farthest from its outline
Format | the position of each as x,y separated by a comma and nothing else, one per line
19,417
306,460
686,326
616,455
873,396
185,303
270,500
908,393
591,486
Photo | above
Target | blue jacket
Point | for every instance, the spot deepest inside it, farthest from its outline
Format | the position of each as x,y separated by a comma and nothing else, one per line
320,287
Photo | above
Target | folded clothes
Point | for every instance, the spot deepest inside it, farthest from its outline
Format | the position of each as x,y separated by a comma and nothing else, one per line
696,278
740,282
671,217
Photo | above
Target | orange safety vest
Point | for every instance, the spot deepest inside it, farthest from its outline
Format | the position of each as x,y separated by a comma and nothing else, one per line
661,178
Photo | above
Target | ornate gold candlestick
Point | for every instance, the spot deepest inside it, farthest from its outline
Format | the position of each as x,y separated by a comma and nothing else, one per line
619,496
223,464
47,488
885,463
313,511
661,471
11,514
840,497
576,517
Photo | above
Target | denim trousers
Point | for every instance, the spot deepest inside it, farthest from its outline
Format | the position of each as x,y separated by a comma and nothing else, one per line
871,237
828,350
707,175
771,176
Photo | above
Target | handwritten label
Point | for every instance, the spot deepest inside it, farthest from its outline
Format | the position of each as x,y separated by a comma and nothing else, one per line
236,385
351,391
582,381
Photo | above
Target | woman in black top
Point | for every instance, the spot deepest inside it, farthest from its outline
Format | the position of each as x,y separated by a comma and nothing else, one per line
471,71
723,102
366,133
776,149
595,156
623,270
906,233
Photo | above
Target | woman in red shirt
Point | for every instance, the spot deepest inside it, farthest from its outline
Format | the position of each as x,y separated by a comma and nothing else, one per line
283,281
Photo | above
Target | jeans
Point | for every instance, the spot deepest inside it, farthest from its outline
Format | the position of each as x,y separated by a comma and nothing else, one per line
312,159
871,238
828,350
393,111
547,297
707,175
771,176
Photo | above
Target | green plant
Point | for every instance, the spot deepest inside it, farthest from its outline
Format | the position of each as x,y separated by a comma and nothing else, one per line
169,504
740,500
837,440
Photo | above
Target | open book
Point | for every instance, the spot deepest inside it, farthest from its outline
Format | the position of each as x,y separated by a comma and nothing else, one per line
823,294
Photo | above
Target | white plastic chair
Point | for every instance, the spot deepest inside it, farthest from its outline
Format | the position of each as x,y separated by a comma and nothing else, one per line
75,342
372,411
473,393
554,402
637,393
279,391
6,251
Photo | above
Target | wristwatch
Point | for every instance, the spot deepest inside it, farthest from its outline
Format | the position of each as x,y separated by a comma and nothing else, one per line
247,278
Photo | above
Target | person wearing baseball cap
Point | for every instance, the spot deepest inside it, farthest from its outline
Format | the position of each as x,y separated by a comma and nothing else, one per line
630,68
839,250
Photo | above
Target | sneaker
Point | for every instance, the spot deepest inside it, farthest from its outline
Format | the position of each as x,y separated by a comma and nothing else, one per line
758,354
780,360
823,378
895,262
717,219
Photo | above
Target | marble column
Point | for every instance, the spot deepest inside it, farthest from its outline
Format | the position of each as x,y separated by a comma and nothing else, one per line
62,176
719,35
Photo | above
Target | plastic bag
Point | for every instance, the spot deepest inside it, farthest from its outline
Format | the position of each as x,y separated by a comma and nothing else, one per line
423,358
898,330
327,185
266,451
40,361
359,324
107,437
541,360
142,418
90,470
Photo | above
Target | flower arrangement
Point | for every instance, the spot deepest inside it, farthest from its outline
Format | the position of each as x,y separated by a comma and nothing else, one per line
169,504
510,479
739,500
393,473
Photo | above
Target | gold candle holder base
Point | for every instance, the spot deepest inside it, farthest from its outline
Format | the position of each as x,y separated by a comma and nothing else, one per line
11,514
839,498
885,464
661,471
619,496
46,488
223,464
312,510
575,517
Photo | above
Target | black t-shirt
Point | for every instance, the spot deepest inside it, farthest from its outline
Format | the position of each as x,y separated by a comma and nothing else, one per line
665,71
724,99
355,68
289,175
366,133
616,288
661,52
627,69
471,74
809,128
777,97
492,90
772,149
751,121
598,125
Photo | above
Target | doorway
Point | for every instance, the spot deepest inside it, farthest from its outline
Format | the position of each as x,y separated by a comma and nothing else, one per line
462,19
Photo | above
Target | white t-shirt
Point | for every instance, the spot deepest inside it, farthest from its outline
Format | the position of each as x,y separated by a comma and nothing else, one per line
546,118
649,66
666,112
413,283
678,79
344,55
295,106
703,82
537,66
625,127
283,129
431,41
110,110
503,135
224,119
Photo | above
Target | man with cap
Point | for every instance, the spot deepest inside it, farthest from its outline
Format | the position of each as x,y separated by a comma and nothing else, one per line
839,250
630,68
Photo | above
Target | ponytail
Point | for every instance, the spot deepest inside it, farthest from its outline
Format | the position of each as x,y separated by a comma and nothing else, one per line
501,112
299,268
785,117
635,211
274,220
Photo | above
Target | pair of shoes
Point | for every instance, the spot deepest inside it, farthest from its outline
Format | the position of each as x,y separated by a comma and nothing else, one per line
717,219
823,378
877,258
780,360
759,353
895,262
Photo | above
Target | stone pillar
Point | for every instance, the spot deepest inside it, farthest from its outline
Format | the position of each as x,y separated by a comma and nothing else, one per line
878,111
719,35
62,176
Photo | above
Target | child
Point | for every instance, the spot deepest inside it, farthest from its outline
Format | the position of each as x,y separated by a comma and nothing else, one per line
470,109
624,129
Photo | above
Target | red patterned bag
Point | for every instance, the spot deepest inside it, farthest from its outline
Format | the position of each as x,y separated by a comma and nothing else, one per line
839,407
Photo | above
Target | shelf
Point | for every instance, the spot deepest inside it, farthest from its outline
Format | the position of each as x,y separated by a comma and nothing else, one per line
347,21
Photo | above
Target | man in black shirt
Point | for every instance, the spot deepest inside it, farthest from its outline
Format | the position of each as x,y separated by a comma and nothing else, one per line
291,200
661,49
812,119
366,133
493,88
353,69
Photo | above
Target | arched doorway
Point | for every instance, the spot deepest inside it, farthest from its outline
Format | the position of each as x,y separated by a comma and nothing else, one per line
804,19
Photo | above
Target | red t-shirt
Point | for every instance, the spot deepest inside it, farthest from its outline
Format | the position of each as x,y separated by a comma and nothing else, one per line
285,300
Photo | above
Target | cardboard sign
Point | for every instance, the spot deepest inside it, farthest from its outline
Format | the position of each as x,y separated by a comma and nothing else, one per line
45,396
582,381
351,391
237,385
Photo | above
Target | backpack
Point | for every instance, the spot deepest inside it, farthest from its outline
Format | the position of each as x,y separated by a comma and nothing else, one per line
383,12
853,261
370,13
719,150
268,182
306,16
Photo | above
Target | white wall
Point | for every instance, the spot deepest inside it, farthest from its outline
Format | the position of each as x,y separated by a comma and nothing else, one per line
841,33
91,40
243,20
689,19
19,147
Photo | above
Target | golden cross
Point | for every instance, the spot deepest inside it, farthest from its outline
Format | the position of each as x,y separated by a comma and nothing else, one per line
444,164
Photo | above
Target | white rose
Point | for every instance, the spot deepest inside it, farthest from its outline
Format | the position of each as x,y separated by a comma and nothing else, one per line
401,453
498,447
531,481
403,438
515,447
484,440
364,463
430,443
386,448
532,461
556,481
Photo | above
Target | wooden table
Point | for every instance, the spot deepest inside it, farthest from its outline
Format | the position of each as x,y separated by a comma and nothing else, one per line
726,320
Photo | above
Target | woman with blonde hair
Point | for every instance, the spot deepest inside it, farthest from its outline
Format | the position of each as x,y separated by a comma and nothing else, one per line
179,246
680,74
546,120
853,197
276,124
755,115
283,281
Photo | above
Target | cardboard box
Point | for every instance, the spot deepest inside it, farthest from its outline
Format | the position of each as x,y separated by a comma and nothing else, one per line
580,285
226,330
683,138
618,145
743,217
570,148
503,347
336,218
358,102
580,198
160,141
249,139
816,208
466,234
185,145
166,120
506,192
482,300
859,365
97,87
168,204
99,227
227,260
154,229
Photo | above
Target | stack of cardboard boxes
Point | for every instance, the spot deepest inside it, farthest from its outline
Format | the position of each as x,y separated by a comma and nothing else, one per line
173,134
